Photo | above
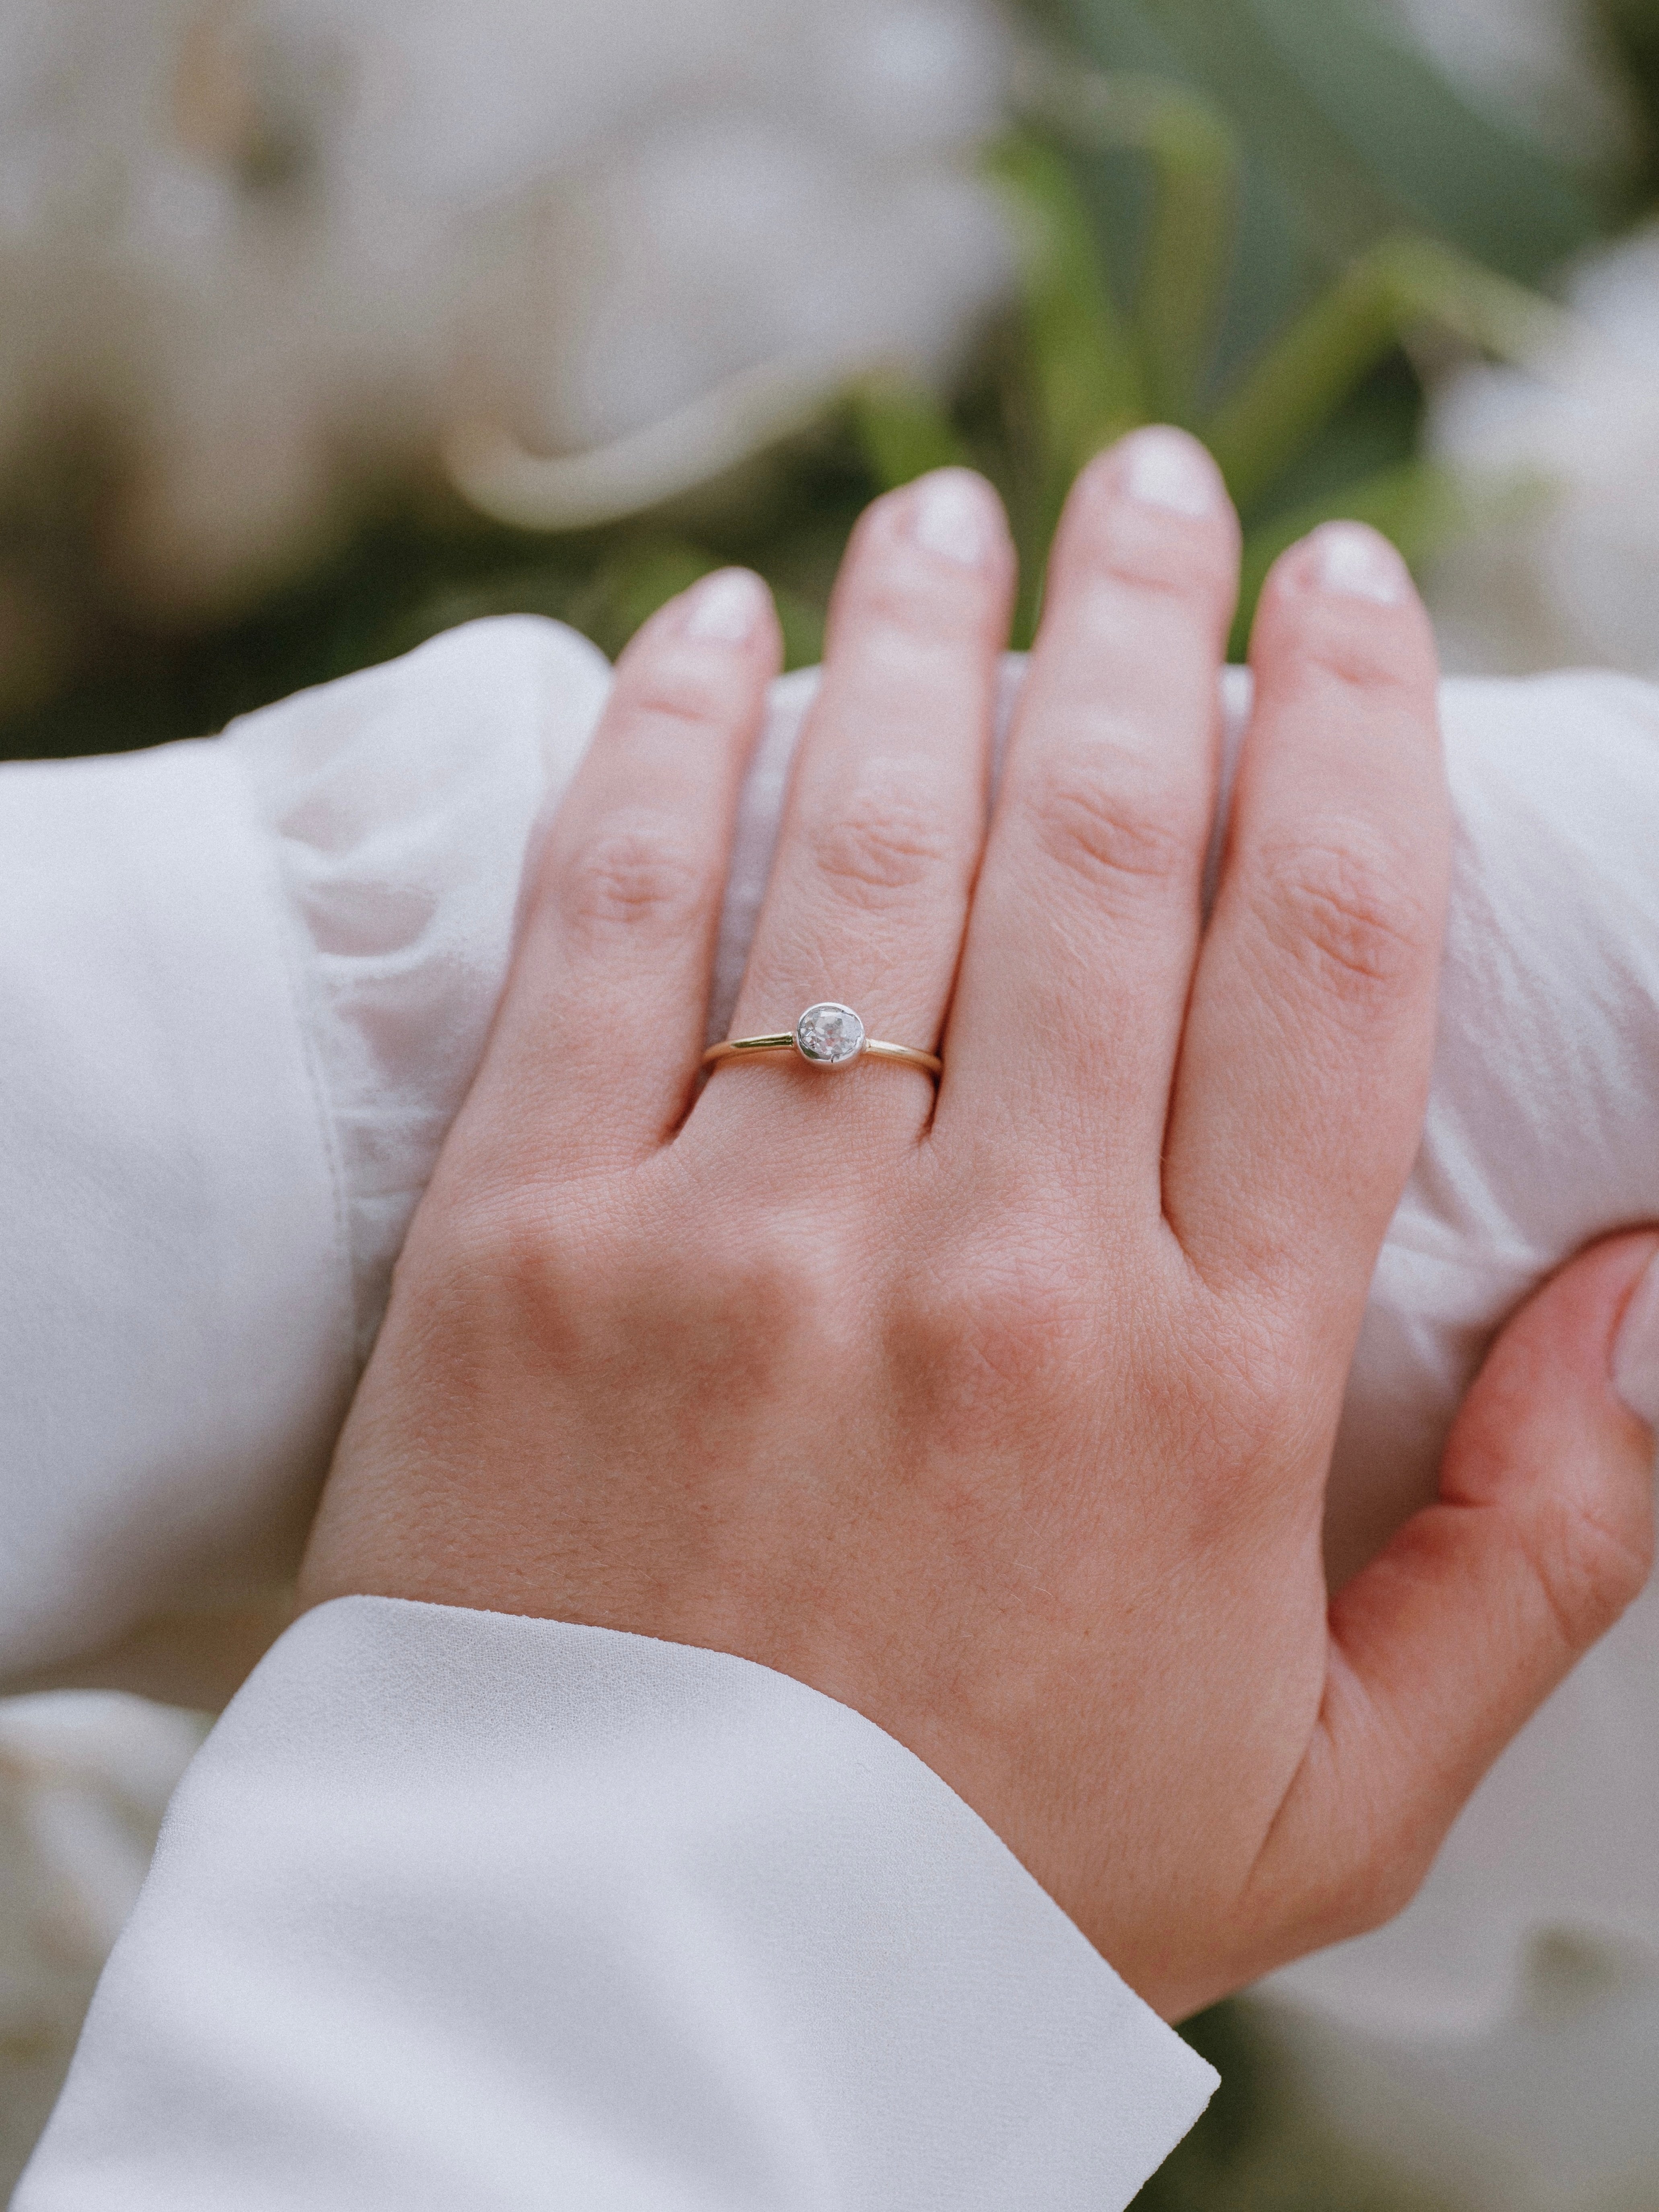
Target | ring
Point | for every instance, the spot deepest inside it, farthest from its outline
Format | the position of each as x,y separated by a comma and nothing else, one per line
828,1034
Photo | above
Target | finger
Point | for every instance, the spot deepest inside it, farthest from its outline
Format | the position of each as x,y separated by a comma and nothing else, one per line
1450,1640
1086,920
592,1057
886,810
1305,1060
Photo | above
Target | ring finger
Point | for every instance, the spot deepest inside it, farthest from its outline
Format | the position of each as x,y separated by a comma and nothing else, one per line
885,819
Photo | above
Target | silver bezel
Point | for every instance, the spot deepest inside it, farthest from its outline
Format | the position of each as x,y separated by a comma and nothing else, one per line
829,1006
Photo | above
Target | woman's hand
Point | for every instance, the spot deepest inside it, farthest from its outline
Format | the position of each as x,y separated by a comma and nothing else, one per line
1003,1414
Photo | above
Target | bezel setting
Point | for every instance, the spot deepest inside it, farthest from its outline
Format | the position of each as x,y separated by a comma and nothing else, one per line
829,1035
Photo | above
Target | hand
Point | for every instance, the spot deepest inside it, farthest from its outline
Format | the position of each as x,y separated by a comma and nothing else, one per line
1003,1414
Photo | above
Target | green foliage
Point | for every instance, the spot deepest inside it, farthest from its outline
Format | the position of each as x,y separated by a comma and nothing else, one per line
1254,2149
1085,378
1359,133
1304,376
1088,370
903,430
1631,27
1239,215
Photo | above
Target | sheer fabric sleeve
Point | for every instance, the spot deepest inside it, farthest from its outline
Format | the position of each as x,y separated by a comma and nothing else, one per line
243,984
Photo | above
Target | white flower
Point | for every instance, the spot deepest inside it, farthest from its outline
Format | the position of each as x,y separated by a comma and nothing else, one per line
1572,574
277,248
1541,63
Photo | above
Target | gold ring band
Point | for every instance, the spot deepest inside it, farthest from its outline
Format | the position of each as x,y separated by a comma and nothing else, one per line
828,1034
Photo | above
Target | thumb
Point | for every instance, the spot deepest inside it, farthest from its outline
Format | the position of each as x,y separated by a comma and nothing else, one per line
1541,1536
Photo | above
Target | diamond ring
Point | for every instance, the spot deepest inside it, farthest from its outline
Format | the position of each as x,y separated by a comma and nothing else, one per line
828,1034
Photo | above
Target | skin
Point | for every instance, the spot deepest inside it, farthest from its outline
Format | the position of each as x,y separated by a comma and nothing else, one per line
1002,1413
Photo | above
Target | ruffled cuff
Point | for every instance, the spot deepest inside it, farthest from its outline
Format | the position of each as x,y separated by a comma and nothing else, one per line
243,987
399,805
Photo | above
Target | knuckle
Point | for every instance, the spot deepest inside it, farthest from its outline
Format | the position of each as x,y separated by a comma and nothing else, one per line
916,599
990,1332
757,1272
1353,648
1344,910
1165,558
758,1297
1380,1883
500,1253
1588,1567
888,841
1247,1389
1252,1368
686,694
1093,824
1150,551
636,873
585,1272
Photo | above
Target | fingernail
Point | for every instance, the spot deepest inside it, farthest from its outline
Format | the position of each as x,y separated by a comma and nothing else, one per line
1165,468
725,608
1358,562
1636,1352
950,516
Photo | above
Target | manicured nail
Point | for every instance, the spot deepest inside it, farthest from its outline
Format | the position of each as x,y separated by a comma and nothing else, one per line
726,607
1358,562
1636,1353
951,515
1165,468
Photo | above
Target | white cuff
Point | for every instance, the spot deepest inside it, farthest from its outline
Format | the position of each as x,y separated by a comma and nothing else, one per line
462,1909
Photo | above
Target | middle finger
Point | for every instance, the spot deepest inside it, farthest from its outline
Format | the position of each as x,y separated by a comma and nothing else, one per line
1086,925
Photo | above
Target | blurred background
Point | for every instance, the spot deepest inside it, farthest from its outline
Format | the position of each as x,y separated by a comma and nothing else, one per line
325,324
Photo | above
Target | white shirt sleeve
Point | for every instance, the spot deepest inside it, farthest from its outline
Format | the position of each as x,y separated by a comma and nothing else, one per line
244,984
460,1909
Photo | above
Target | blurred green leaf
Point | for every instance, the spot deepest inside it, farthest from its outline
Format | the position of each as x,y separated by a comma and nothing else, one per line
1080,382
1421,506
1630,29
1088,382
1499,197
903,431
629,587
1362,133
1258,2149
1195,183
1398,287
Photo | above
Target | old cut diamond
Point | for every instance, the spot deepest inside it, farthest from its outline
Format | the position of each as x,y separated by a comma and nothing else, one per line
829,1035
